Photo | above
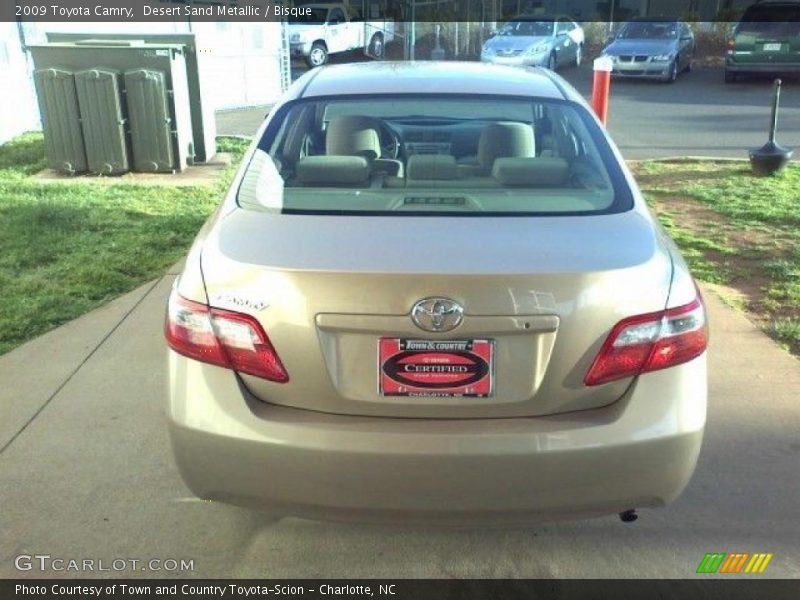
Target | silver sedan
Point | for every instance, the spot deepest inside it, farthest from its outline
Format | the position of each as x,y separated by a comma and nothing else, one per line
549,42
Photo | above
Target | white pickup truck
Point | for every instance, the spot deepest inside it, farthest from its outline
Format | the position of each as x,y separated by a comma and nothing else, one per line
329,28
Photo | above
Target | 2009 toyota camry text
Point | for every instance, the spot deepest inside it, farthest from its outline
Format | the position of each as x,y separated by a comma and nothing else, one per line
434,292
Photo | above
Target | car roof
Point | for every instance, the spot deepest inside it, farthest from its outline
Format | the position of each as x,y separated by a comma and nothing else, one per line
653,20
428,77
768,4
534,18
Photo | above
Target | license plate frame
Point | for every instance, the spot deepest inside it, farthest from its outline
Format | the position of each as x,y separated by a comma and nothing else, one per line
772,47
436,368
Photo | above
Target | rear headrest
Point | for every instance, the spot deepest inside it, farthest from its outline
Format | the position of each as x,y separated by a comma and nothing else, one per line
332,170
543,171
432,166
501,140
353,135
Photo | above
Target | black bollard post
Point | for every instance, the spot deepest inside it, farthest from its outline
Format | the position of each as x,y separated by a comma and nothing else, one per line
771,157
776,99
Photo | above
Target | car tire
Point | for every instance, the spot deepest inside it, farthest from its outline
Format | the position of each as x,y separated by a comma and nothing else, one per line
318,55
731,77
578,56
552,62
376,46
688,67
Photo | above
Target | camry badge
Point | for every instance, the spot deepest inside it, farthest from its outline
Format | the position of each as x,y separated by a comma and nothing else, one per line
437,314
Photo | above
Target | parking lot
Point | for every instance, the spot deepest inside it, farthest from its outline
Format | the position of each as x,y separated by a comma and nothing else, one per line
699,115
87,472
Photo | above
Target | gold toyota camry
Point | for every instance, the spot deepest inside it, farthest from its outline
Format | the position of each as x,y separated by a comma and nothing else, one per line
435,292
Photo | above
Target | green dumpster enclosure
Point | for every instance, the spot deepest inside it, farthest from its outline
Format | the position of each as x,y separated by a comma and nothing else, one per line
110,106
204,128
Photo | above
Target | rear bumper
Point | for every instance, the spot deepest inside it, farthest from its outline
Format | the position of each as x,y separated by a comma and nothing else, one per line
757,67
640,451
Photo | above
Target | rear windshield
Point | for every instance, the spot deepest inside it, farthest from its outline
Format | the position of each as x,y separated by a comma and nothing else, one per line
527,28
649,31
774,20
434,155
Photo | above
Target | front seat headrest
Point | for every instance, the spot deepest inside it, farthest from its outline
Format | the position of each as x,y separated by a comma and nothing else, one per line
505,140
353,135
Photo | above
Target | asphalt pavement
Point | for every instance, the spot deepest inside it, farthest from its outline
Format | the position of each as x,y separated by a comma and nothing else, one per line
87,473
699,115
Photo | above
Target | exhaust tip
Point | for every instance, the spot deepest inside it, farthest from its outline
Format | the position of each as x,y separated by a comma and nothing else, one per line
629,516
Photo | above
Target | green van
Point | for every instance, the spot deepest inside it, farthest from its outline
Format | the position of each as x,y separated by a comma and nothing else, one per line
766,40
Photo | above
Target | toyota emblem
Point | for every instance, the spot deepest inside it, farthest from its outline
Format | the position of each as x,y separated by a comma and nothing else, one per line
437,314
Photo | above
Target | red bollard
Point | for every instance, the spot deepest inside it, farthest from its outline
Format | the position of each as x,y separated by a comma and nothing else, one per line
601,87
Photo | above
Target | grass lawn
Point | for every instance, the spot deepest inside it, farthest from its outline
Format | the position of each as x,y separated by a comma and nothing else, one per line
68,248
737,230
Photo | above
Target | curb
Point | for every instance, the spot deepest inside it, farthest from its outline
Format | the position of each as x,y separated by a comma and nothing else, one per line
680,159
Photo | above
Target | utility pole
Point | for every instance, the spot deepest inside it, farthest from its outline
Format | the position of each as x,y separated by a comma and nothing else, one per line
611,17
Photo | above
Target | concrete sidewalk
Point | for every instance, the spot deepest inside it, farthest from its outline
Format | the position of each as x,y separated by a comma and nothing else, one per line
241,121
86,472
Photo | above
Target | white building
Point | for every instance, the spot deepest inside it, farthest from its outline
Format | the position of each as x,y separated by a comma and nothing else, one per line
241,63
18,109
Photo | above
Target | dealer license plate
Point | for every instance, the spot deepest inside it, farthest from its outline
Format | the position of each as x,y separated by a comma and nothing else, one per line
436,368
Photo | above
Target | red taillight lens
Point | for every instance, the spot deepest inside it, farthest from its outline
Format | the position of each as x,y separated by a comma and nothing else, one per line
221,337
731,45
651,342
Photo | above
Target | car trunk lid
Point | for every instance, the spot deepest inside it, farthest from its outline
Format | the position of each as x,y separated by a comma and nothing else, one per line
544,295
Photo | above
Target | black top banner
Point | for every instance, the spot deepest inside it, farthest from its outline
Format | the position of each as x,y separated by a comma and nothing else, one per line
403,589
151,10
311,11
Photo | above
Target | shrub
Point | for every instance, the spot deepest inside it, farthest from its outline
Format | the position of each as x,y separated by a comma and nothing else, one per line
596,33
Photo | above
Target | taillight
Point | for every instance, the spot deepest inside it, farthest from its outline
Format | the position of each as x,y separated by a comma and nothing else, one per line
731,46
221,337
651,342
